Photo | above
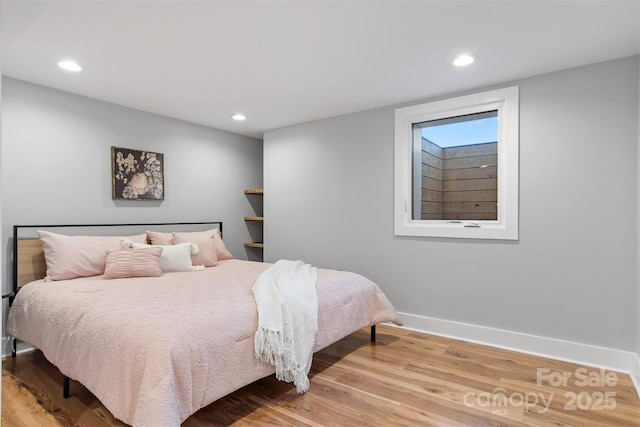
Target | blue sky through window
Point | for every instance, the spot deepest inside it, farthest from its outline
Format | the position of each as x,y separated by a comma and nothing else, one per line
463,133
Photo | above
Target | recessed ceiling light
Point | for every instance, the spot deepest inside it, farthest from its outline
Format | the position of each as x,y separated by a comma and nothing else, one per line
69,66
463,60
239,117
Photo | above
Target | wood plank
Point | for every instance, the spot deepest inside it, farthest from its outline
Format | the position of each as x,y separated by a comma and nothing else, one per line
254,218
471,162
404,378
470,196
471,216
431,184
431,172
431,208
254,245
431,148
431,196
473,173
257,191
431,160
470,151
476,207
468,184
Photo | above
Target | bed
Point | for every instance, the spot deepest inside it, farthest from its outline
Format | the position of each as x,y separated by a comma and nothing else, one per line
156,349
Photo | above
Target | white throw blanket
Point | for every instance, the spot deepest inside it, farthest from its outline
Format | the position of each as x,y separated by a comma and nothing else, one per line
287,304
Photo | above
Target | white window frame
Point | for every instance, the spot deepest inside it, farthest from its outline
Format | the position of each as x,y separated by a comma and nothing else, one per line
506,101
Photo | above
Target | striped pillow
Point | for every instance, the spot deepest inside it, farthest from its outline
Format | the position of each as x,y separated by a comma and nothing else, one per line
143,262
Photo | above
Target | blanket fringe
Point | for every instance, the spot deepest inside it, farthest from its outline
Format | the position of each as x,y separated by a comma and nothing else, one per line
268,345
298,377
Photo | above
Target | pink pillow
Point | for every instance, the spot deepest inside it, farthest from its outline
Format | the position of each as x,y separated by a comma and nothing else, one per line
143,262
159,238
68,257
221,249
206,243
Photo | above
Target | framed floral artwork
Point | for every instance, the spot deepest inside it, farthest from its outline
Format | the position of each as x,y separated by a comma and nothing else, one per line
137,174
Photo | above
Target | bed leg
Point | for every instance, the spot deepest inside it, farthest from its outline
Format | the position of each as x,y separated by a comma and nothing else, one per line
65,388
373,333
14,348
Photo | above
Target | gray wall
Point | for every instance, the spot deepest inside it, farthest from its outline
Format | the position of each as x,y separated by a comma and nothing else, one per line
572,274
638,254
56,165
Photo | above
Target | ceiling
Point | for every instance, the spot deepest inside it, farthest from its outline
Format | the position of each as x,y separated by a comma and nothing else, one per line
287,62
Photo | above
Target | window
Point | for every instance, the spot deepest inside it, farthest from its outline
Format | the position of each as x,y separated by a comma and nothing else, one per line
456,167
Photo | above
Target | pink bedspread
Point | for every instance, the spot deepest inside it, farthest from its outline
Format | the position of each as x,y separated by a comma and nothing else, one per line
155,350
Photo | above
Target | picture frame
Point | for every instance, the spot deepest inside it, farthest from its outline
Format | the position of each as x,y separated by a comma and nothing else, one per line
137,174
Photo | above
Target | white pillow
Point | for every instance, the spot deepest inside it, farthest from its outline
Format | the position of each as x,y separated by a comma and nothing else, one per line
173,257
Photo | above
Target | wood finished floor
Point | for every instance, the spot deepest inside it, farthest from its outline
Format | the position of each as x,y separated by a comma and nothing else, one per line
405,379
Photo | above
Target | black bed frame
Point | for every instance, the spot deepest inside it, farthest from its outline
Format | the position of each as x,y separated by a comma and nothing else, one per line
16,228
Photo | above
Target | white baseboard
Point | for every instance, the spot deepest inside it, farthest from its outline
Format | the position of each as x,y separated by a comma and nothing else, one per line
22,347
635,374
584,354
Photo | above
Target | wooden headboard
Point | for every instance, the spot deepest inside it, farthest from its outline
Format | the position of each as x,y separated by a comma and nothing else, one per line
29,262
